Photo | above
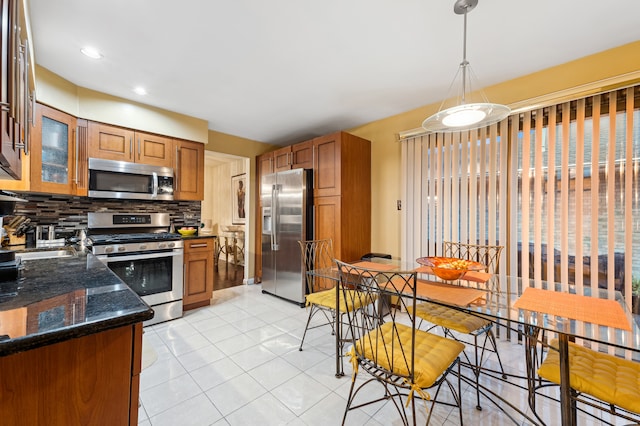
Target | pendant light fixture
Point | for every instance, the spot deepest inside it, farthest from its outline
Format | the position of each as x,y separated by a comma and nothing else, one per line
465,116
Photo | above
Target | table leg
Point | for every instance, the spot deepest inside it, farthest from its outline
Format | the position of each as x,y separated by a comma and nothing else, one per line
568,413
531,334
235,251
216,251
338,331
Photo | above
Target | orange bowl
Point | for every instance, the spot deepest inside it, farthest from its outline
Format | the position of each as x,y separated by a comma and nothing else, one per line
450,268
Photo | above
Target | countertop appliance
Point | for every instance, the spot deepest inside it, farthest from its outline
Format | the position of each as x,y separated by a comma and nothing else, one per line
121,179
139,249
287,217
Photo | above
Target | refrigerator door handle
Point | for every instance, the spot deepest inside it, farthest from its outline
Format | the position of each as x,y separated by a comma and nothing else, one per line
274,218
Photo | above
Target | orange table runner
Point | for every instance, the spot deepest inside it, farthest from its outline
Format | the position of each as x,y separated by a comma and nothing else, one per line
582,308
448,293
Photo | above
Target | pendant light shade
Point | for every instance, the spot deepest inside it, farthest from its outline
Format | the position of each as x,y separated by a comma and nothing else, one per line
465,116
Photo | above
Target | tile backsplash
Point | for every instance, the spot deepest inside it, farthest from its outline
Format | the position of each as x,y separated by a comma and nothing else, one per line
69,213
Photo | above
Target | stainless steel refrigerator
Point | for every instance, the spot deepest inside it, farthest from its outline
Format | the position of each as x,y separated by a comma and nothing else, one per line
287,208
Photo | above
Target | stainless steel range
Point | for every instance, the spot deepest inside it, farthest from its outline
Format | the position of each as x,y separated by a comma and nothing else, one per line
140,250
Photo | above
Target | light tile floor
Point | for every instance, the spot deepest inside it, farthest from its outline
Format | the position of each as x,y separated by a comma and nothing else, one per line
237,362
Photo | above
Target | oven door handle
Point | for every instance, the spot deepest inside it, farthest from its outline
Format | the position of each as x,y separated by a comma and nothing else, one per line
108,258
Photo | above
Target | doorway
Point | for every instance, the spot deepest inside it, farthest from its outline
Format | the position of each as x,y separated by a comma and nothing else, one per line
225,212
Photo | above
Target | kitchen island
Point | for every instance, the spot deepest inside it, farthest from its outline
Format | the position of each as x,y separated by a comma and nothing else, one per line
70,344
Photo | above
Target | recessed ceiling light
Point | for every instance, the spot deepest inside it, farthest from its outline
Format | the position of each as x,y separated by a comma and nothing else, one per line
140,90
91,52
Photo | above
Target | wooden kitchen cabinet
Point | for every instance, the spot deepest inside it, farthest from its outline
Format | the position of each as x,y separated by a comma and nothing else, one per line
282,159
53,154
90,380
302,155
120,144
198,272
189,170
17,84
298,156
342,193
264,166
341,165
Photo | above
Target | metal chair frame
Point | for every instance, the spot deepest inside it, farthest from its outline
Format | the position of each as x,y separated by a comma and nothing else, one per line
318,254
366,326
488,255
538,383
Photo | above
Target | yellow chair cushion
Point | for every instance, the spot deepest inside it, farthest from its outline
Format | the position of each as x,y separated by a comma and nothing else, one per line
606,377
450,318
327,299
434,354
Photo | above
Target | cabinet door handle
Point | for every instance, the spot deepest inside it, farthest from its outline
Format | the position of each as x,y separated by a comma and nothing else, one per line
27,132
76,139
15,50
130,147
198,245
33,108
176,184
138,148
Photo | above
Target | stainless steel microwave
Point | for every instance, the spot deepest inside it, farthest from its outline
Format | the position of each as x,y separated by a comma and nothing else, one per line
121,179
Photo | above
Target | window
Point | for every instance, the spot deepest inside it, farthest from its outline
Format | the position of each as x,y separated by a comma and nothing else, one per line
559,187
578,198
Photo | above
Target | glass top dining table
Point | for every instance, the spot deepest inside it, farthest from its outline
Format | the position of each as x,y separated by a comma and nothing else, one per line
550,307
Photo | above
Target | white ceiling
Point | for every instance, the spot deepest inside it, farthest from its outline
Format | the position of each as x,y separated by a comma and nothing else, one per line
282,71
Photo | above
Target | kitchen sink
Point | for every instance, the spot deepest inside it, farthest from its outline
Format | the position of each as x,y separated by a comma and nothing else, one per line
47,254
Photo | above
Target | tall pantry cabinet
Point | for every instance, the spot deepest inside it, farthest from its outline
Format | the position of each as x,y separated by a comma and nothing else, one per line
341,165
342,193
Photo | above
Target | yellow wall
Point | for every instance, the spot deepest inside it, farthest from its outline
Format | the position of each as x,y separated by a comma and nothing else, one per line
57,92
621,61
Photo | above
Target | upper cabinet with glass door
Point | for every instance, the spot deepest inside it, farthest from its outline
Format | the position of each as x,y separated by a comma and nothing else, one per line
53,152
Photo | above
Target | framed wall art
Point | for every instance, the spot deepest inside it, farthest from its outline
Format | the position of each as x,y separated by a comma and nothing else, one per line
238,199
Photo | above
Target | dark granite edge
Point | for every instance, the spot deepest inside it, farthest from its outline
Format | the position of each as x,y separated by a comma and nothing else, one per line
72,332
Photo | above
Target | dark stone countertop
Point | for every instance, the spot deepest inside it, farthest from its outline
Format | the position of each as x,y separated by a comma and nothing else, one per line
63,298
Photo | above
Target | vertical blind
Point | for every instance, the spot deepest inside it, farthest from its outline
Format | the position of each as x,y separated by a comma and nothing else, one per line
578,206
558,186
452,188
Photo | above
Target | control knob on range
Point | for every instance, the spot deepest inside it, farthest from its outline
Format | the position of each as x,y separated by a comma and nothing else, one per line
108,249
171,245
121,248
143,246
162,245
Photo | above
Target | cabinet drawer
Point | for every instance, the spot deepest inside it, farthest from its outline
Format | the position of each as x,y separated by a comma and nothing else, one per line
198,245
